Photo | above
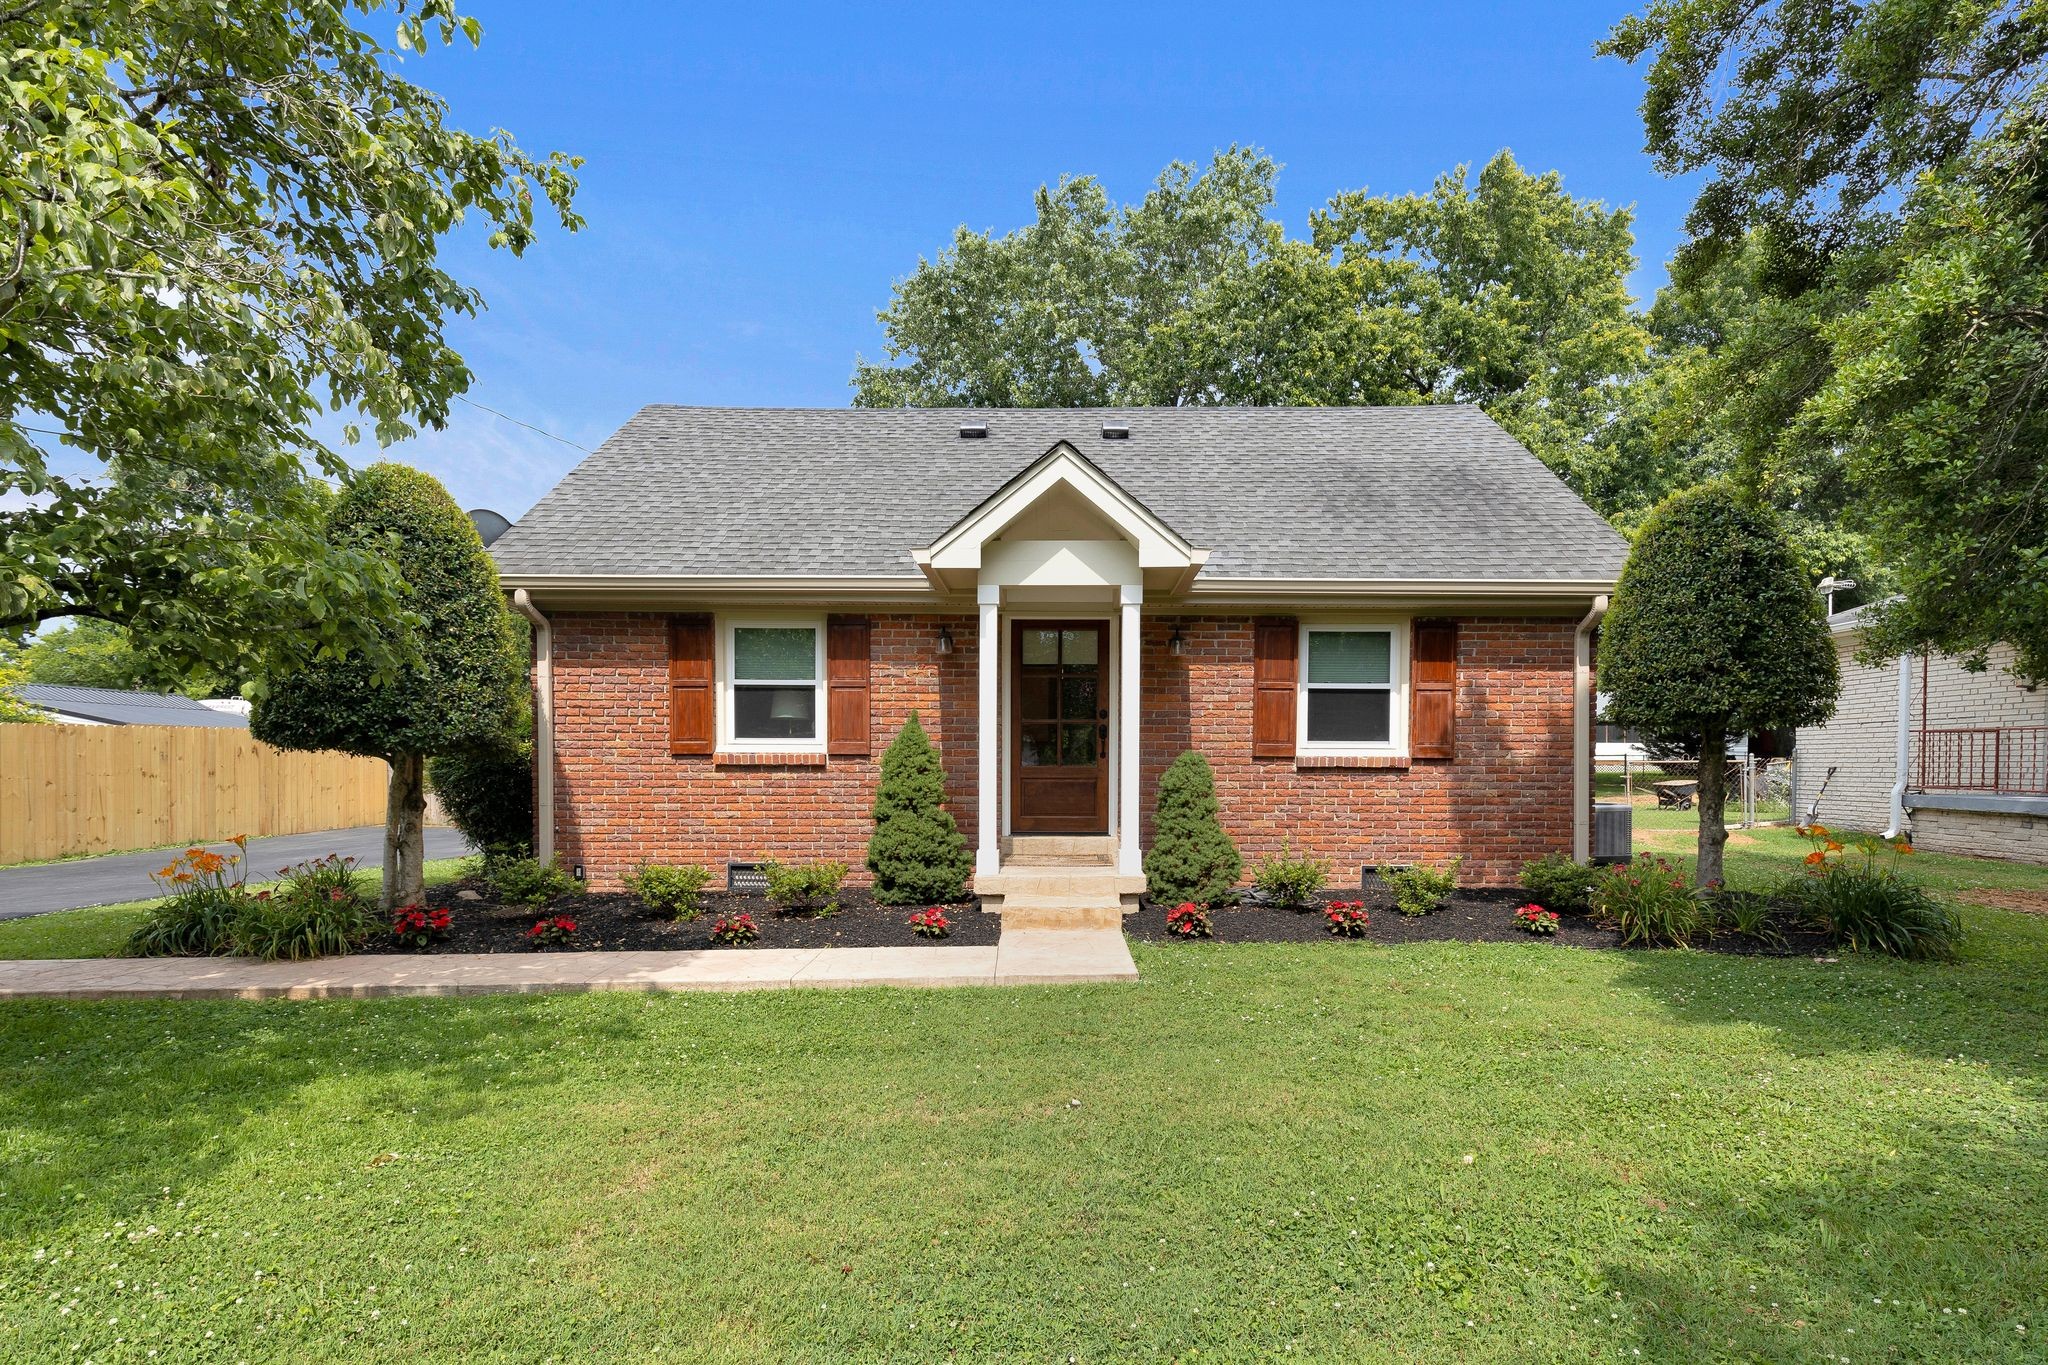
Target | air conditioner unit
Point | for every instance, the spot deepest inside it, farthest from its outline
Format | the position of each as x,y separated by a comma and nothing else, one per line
1613,831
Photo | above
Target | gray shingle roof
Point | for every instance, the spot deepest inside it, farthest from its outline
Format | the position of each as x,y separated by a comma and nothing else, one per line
111,707
1348,493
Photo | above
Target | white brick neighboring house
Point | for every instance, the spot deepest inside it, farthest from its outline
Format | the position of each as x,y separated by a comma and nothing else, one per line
1977,746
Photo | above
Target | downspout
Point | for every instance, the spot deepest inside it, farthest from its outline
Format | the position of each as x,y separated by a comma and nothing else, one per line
543,726
1903,759
1582,731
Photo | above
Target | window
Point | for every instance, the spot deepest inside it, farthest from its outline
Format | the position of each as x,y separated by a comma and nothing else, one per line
1352,694
774,675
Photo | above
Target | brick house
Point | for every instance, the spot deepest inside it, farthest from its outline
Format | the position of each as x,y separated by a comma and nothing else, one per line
1374,622
1924,746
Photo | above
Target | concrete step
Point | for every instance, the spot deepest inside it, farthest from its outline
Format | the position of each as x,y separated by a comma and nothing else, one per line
1041,916
1035,884
1083,850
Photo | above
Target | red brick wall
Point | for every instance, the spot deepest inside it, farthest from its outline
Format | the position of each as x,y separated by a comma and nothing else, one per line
1504,799
622,798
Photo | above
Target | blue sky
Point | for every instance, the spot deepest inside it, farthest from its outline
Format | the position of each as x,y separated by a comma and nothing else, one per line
756,176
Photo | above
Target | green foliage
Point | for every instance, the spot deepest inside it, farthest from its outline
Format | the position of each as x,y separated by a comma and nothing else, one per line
226,221
1421,890
916,851
1874,910
1191,858
1715,622
527,881
488,794
1746,913
674,891
464,691
1857,895
1561,884
1506,292
89,653
13,710
812,888
1715,630
1287,880
1880,171
302,922
1651,904
199,923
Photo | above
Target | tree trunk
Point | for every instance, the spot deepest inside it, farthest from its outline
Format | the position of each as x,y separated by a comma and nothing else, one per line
1712,803
405,820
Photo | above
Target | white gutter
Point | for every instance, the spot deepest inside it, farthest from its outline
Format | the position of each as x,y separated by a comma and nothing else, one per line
543,726
1582,731
1903,758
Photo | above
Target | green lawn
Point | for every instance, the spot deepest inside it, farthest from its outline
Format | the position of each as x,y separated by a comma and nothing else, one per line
100,931
1496,1152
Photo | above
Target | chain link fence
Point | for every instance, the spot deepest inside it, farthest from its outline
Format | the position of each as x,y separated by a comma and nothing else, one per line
1666,791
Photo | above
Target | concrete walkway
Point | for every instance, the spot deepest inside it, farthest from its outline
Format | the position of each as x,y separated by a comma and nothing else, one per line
1023,957
116,877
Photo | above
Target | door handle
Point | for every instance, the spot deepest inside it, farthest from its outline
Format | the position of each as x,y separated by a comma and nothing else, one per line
1102,733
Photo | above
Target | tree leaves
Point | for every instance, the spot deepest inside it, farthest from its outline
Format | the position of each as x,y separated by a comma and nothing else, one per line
215,223
1506,292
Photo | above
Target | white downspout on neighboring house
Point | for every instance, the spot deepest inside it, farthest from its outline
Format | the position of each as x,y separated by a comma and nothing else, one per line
1582,731
543,726
1904,754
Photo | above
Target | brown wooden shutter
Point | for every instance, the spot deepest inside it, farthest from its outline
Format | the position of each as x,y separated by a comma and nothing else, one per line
1276,640
847,691
691,714
1433,695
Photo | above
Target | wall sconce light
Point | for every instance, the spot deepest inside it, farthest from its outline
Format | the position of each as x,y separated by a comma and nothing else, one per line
945,640
1178,645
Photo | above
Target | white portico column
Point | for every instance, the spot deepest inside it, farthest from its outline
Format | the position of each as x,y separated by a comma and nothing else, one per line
988,735
1130,859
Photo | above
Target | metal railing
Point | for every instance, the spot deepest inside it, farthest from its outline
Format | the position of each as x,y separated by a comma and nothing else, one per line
1983,758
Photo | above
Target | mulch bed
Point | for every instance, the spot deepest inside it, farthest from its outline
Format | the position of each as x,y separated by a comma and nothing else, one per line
616,921
1470,916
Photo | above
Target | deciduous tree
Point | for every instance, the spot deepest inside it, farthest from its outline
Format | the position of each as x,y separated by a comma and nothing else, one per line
217,221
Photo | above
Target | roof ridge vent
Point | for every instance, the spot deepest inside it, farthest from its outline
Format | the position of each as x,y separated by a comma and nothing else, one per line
1115,431
973,431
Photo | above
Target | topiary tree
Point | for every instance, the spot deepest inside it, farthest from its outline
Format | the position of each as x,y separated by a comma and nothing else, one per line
463,694
1715,630
916,852
1191,858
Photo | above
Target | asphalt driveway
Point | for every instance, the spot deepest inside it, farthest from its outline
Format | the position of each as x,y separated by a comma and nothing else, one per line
116,877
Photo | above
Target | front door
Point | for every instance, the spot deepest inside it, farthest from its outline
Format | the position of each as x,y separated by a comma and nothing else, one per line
1059,727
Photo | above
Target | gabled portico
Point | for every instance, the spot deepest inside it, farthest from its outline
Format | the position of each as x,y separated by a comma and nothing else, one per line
1059,560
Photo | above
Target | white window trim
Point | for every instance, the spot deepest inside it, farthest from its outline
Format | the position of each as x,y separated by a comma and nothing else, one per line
1396,745
728,712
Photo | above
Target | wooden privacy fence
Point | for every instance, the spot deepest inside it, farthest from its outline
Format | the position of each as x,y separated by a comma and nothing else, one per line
68,789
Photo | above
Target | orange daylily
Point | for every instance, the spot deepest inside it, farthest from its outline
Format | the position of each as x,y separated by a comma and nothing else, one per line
1902,847
1816,858
240,841
1834,847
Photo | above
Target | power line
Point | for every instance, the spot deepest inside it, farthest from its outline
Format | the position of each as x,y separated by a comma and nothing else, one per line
542,431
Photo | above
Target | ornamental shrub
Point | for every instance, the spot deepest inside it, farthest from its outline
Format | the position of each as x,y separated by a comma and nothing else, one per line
1191,858
812,888
1421,890
1715,632
916,852
464,686
488,794
528,881
1561,884
1287,880
674,891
